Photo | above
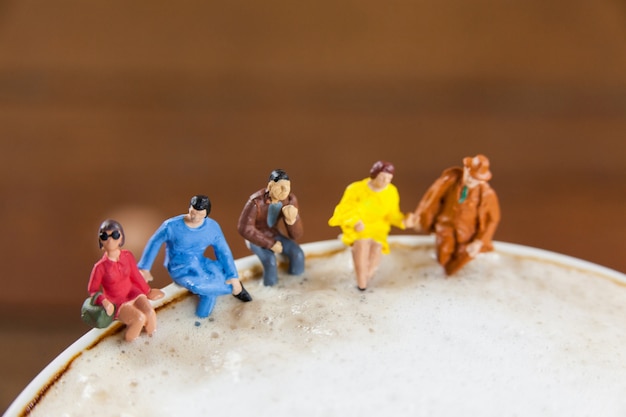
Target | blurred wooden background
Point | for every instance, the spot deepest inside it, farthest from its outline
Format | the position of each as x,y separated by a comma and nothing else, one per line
126,109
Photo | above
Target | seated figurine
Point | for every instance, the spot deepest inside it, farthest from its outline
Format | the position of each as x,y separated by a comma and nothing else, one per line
186,238
258,223
125,292
462,210
366,212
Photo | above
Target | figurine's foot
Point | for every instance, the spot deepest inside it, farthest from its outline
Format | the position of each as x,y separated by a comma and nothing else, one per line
361,289
243,295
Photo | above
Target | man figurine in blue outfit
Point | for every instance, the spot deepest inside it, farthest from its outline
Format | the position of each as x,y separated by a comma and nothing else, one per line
186,238
264,212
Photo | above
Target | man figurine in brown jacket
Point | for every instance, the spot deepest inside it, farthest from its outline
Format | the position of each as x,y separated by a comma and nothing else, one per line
462,210
259,221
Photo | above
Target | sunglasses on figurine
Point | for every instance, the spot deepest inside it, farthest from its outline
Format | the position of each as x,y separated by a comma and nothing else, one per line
114,234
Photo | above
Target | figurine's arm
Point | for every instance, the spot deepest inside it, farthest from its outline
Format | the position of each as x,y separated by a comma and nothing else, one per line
430,204
95,284
396,217
247,226
346,214
291,215
136,277
139,280
151,251
488,215
223,254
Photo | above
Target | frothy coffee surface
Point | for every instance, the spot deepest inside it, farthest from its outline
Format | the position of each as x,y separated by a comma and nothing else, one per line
508,336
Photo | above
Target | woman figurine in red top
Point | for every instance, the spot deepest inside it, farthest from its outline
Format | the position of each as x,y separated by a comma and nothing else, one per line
125,292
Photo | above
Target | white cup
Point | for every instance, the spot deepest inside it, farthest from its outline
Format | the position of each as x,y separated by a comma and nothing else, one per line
519,331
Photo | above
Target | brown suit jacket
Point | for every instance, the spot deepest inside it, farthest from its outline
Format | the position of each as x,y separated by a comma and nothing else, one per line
476,218
253,225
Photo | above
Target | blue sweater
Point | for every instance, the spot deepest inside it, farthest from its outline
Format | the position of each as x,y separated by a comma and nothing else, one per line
185,247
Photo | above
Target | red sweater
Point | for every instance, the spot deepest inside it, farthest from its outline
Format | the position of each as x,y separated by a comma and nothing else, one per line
119,281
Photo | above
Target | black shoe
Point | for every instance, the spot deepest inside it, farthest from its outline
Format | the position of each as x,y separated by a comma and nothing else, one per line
243,295
361,289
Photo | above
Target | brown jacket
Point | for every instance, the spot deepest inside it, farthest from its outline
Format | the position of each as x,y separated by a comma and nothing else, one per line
476,218
253,225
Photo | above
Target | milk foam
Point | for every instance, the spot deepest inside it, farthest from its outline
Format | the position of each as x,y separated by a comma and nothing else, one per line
508,336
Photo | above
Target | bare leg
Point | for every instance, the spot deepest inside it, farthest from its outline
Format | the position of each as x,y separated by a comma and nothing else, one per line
134,320
145,307
375,255
366,254
360,254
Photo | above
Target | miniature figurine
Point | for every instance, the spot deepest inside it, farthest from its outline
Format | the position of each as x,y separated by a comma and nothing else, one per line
259,221
186,238
125,292
366,212
462,210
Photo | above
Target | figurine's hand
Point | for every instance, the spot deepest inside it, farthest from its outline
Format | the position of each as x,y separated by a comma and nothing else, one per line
155,294
417,224
147,275
109,307
409,221
359,226
474,248
277,247
291,213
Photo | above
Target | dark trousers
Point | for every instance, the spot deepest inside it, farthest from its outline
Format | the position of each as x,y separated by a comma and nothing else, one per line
291,250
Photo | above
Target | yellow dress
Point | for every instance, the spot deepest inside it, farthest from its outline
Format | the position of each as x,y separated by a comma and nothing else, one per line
378,210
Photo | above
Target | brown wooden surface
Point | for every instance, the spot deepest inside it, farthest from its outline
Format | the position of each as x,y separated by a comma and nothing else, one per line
110,109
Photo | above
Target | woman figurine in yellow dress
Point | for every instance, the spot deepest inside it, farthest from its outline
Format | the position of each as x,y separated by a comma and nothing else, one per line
365,214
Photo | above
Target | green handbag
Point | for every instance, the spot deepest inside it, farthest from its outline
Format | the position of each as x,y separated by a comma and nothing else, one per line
94,314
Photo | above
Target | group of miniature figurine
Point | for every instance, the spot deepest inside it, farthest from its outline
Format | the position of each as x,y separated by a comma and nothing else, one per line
459,207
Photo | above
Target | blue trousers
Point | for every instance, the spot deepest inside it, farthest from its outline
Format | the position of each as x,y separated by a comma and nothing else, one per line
268,259
204,278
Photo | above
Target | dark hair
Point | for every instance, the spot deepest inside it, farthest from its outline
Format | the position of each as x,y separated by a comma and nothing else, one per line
381,166
278,174
201,202
110,225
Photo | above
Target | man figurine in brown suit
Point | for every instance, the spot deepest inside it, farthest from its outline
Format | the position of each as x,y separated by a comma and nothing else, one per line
463,211
259,222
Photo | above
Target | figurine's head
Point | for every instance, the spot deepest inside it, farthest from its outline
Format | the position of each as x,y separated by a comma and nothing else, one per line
110,229
381,174
476,170
201,202
199,209
279,185
277,175
381,166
